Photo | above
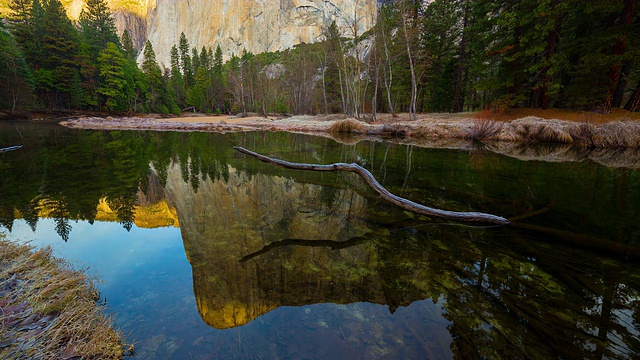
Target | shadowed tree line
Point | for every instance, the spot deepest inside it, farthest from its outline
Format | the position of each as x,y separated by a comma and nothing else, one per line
439,56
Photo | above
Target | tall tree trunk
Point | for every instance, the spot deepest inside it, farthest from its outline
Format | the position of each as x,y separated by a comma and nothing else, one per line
623,81
324,85
551,46
388,77
626,19
414,83
457,101
634,101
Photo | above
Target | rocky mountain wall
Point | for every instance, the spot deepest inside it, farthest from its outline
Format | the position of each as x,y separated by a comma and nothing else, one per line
236,25
254,25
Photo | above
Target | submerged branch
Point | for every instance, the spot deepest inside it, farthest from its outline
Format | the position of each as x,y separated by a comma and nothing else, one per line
589,241
334,245
384,193
11,148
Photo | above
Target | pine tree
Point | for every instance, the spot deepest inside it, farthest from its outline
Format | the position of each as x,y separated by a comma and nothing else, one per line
153,76
61,49
127,45
98,27
217,64
136,85
20,19
185,60
196,96
26,21
195,61
177,81
218,83
89,75
111,63
14,75
205,59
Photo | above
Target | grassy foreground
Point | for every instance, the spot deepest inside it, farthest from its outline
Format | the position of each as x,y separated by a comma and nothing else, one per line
48,310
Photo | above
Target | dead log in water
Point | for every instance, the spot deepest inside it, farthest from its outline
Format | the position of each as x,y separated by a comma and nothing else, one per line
403,203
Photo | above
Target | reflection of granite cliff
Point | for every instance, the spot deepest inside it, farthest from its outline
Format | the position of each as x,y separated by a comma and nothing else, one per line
228,219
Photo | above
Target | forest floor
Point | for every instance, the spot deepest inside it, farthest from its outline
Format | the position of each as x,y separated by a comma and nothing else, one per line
613,139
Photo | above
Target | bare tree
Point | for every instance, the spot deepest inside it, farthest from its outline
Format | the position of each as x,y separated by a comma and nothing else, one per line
382,39
406,9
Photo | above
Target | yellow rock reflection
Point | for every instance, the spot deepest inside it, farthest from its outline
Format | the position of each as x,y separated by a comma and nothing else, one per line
227,220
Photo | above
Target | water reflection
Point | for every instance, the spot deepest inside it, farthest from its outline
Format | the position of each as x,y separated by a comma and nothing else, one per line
274,253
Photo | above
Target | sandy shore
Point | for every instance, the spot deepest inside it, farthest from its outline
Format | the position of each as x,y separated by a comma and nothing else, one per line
614,143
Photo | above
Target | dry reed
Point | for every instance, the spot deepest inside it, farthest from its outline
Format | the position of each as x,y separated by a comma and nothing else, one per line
48,310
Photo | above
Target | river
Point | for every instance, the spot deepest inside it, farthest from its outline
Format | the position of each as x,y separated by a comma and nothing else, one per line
205,253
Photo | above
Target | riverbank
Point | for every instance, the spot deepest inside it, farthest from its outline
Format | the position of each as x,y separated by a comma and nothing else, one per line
49,310
585,130
612,140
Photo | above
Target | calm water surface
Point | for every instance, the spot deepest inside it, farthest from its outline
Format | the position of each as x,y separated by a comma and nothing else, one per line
204,253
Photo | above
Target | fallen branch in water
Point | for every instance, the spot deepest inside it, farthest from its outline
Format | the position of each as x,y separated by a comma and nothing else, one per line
308,243
584,240
11,148
384,193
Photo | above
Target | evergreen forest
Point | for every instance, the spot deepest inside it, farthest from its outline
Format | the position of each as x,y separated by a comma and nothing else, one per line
437,56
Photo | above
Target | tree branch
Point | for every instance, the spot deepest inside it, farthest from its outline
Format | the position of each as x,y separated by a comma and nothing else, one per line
384,193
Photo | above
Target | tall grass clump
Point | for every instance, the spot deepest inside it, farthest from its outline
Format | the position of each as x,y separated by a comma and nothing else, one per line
484,128
49,310
620,134
532,130
615,135
347,126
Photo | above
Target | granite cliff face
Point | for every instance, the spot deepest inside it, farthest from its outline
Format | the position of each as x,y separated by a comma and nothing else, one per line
254,25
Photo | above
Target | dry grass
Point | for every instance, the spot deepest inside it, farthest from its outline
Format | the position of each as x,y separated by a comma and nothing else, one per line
618,135
615,134
534,130
562,114
347,126
482,129
48,310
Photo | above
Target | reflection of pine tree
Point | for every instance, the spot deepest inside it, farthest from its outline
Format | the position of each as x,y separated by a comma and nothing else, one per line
123,206
30,214
60,216
184,168
194,174
161,171
63,228
6,216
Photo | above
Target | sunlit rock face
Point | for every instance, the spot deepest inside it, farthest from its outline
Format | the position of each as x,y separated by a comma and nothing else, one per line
135,23
235,25
254,25
228,219
128,14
